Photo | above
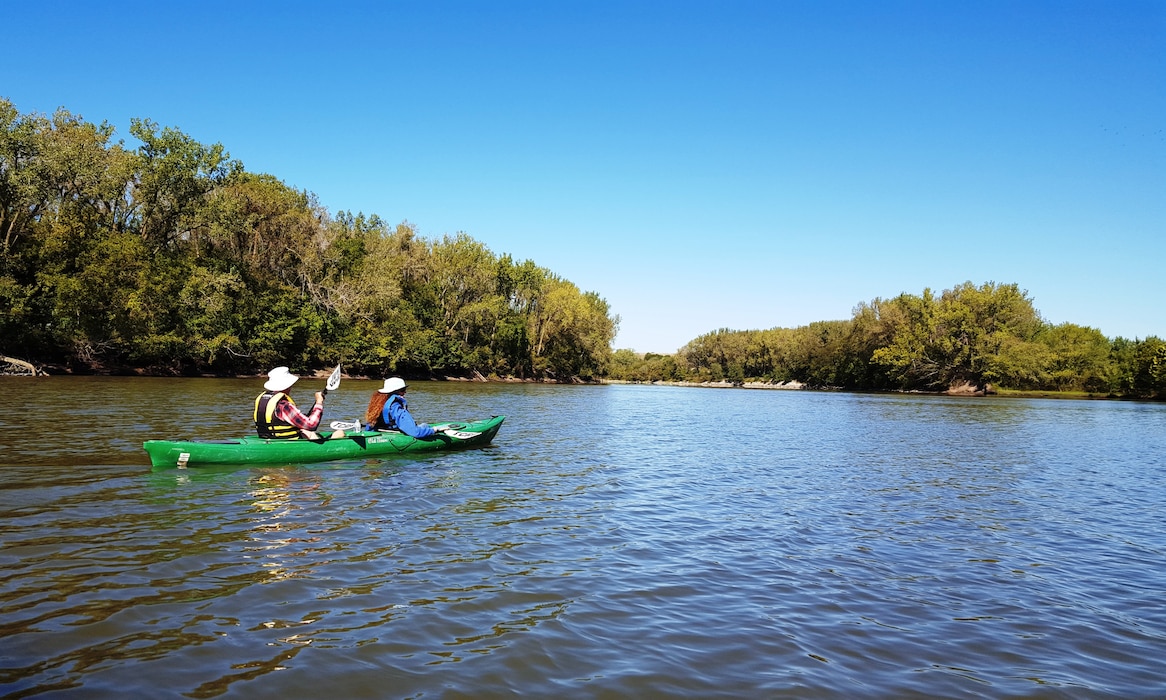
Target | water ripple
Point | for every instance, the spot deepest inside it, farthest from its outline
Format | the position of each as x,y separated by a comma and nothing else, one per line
614,542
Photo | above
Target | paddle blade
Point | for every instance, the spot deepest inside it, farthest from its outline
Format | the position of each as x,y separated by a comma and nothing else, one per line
333,379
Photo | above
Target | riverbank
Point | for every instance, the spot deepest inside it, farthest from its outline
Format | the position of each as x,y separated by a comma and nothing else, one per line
14,367
962,390
790,385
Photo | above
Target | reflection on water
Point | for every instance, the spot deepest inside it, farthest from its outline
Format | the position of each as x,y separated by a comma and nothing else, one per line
623,541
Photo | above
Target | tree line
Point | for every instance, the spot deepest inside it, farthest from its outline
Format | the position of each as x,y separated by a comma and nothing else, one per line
978,337
170,257
173,258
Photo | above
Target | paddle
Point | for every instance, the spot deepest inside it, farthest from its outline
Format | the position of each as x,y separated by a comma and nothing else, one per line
454,430
333,381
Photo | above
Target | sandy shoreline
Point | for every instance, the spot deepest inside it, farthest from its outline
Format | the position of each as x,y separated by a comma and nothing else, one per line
791,385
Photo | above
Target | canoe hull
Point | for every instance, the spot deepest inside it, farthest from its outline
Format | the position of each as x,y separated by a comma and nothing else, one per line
364,445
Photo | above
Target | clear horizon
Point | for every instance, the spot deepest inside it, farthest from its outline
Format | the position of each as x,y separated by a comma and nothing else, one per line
744,165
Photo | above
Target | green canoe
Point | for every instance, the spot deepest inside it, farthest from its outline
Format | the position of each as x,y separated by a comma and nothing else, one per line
362,445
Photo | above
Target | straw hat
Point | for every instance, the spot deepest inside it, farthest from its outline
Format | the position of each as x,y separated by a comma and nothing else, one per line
392,384
279,379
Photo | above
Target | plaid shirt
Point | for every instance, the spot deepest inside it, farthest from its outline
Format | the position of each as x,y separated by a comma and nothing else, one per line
287,411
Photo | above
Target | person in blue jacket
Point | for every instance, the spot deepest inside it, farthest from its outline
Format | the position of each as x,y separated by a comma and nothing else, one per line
388,410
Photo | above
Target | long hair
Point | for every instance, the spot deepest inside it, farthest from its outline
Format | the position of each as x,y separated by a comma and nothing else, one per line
376,404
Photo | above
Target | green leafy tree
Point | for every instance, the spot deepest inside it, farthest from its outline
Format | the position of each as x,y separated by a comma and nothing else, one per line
976,335
1079,358
25,186
626,365
1139,367
175,175
912,354
571,332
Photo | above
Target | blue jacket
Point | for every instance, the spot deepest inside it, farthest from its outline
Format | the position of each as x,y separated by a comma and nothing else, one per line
396,416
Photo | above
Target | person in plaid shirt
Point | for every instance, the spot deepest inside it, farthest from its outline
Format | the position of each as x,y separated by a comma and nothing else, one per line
276,415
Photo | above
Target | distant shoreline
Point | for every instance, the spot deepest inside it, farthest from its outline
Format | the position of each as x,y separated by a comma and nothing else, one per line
789,386
966,390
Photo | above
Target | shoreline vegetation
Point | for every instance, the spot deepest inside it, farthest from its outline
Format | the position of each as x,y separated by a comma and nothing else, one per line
169,258
966,390
29,370
971,339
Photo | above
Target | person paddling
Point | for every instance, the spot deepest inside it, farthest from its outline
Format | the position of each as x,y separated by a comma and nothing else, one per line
276,415
388,410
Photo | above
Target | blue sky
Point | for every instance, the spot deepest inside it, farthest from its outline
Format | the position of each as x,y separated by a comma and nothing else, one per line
700,165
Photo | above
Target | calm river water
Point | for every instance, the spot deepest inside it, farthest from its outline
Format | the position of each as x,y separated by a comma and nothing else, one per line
614,541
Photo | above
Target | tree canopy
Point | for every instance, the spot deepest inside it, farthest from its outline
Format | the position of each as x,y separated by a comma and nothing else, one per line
172,257
972,336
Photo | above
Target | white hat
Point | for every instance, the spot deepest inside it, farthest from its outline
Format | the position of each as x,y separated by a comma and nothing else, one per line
392,384
280,379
